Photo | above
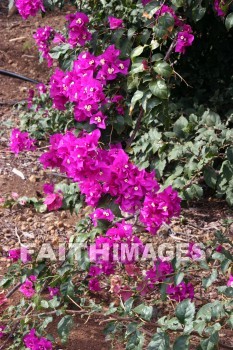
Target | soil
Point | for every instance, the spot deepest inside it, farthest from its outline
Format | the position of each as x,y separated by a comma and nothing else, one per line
19,54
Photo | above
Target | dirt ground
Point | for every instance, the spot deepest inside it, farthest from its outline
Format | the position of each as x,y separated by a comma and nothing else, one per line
19,54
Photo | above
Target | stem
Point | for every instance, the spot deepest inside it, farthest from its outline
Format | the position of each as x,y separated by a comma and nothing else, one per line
137,126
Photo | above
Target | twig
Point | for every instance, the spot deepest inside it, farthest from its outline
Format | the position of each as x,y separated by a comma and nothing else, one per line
13,290
169,51
137,126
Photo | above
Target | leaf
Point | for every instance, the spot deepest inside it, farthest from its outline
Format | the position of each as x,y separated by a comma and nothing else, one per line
210,343
164,69
185,311
179,126
144,311
159,89
207,282
210,177
64,327
137,51
136,97
179,278
230,154
181,343
229,21
160,341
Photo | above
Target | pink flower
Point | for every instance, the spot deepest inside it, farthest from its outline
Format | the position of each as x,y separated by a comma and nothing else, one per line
20,253
230,281
43,36
219,248
20,141
53,201
194,251
14,195
102,214
220,7
184,39
94,285
115,23
53,291
27,287
28,8
181,291
33,342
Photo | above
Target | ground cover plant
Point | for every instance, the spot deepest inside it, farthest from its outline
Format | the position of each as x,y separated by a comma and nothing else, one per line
137,121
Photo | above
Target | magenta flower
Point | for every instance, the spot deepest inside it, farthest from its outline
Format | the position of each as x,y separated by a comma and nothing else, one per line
181,291
194,251
230,281
184,39
20,141
220,7
53,200
102,214
31,94
53,291
78,33
115,23
33,342
28,8
20,253
27,287
41,88
43,36
94,285
219,248
48,188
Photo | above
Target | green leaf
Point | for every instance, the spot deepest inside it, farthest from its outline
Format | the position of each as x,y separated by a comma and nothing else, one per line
210,176
211,343
207,282
185,311
179,126
164,69
136,97
179,278
160,341
144,311
230,154
159,89
229,21
181,343
137,51
64,327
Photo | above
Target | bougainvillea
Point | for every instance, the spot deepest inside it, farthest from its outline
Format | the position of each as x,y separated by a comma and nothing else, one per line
20,141
28,8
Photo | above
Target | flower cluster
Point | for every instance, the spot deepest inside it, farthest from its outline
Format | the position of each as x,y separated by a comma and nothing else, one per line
113,246
32,342
28,8
43,36
184,37
20,254
99,172
77,25
84,85
53,200
102,214
221,7
20,141
115,23
230,281
159,208
181,291
158,273
27,288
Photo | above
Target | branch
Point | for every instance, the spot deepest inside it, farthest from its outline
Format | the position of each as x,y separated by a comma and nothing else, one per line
137,126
